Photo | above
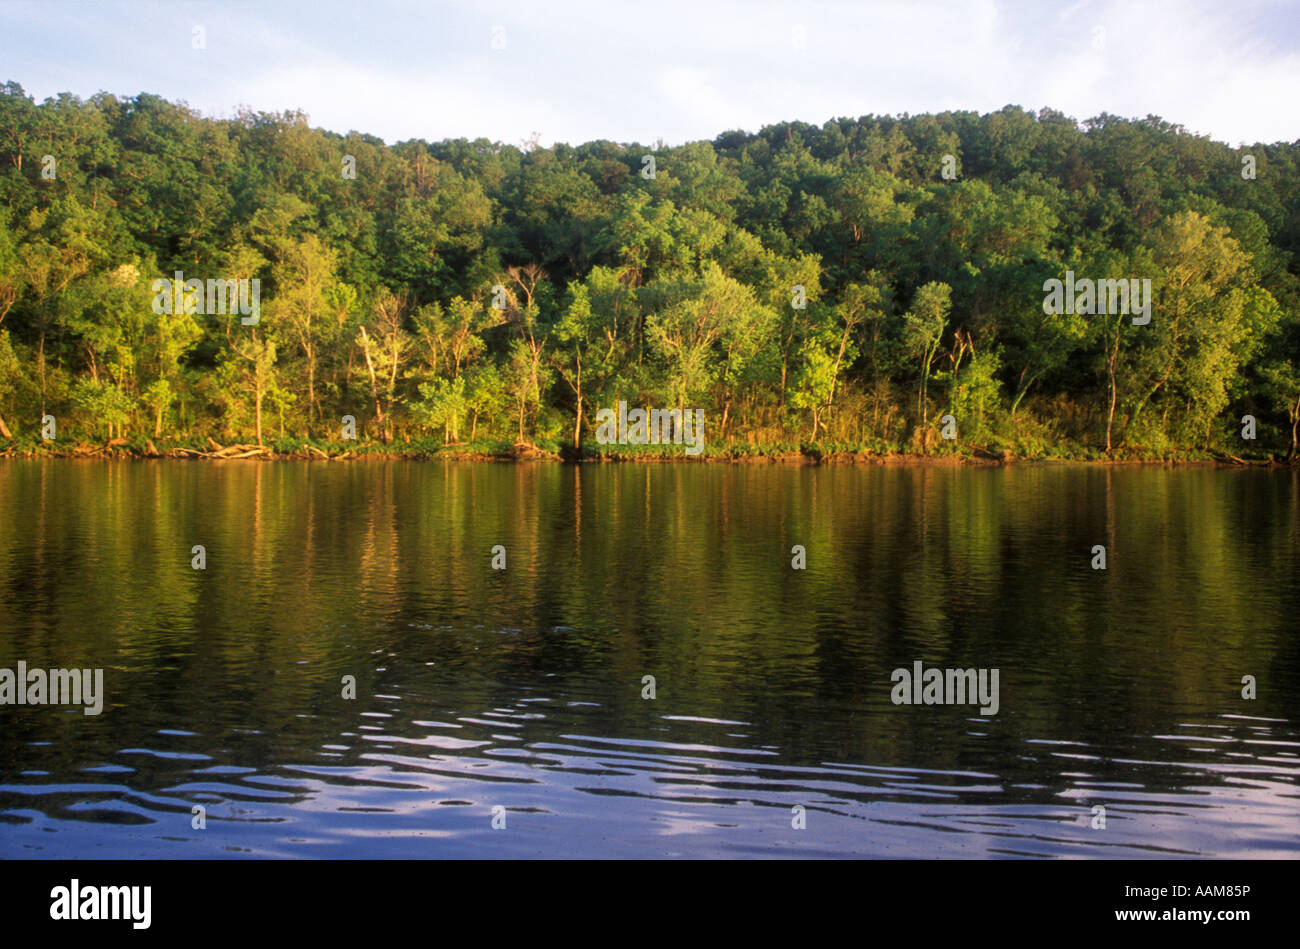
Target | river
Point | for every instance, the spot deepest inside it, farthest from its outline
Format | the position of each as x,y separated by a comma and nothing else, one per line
650,675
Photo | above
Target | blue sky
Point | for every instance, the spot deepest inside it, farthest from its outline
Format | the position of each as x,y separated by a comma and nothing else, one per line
577,71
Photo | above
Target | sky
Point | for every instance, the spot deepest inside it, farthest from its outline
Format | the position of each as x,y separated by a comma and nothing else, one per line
663,69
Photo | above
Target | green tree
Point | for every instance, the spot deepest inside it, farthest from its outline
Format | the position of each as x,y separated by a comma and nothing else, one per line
923,328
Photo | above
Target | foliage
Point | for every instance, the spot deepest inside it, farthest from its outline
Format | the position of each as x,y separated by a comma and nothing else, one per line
804,285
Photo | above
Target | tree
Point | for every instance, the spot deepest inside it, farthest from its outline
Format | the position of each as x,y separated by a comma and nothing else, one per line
383,350
258,352
443,403
923,328
684,286
575,333
525,365
1283,381
303,276
814,384
1206,319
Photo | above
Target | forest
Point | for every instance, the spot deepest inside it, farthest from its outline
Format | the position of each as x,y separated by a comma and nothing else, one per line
835,288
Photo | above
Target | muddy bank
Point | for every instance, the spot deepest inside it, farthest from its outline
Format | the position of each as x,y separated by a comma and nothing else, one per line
809,455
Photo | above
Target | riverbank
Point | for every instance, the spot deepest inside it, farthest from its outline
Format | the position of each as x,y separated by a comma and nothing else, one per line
787,454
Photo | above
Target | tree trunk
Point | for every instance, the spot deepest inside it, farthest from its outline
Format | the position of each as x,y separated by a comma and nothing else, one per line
311,389
1110,414
42,364
1114,389
577,422
374,385
1024,389
1295,425
258,401
1137,410
577,392
392,387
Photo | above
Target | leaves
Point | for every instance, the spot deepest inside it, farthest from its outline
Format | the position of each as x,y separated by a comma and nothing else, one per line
472,284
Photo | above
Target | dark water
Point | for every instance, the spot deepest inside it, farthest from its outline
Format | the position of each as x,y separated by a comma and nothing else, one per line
522,689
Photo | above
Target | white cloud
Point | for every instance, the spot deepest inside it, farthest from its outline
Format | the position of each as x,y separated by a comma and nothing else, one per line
672,68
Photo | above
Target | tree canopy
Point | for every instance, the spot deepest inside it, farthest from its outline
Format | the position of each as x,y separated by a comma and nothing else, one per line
845,284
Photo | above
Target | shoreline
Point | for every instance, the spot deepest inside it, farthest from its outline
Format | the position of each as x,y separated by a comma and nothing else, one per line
807,456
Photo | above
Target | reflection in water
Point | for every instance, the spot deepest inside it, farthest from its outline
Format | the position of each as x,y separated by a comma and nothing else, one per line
523,687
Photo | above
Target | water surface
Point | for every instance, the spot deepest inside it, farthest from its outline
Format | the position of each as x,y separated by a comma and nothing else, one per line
522,689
